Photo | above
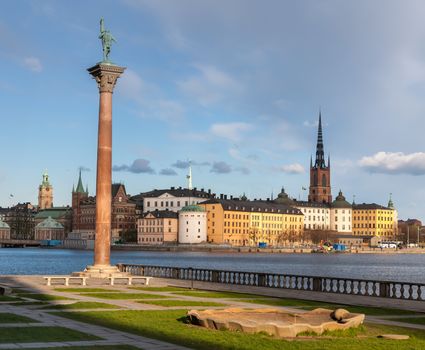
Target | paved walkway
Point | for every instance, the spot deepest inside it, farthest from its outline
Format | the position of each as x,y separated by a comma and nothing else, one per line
114,337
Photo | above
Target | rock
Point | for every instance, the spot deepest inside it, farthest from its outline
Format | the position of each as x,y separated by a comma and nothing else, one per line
394,336
339,314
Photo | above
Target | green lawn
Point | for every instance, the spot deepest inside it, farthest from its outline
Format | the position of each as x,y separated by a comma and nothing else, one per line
160,289
169,302
207,294
43,297
310,305
124,296
8,298
13,318
42,334
170,326
81,305
84,290
29,303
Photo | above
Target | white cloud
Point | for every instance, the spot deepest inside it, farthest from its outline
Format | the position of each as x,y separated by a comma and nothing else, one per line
33,64
295,168
150,100
395,163
210,85
230,131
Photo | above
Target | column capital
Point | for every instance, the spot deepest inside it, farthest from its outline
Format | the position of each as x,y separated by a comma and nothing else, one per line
106,76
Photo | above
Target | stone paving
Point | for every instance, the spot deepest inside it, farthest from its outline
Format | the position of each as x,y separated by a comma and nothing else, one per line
114,337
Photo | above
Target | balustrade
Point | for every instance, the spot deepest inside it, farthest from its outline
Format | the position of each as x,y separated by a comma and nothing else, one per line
383,289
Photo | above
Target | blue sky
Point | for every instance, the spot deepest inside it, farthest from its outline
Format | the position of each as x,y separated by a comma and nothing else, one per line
235,86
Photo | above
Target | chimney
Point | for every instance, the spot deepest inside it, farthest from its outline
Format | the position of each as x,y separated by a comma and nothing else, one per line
172,187
202,190
225,196
221,196
231,197
209,191
268,200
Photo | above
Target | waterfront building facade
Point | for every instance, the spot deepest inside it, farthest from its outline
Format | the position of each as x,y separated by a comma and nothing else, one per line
63,215
4,230
45,193
249,223
341,215
49,229
123,213
173,199
192,225
157,227
374,220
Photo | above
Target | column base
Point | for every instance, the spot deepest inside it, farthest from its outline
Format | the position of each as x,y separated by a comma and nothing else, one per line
101,271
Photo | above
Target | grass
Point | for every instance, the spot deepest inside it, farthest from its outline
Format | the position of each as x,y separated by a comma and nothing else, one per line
169,326
414,320
310,305
8,298
204,294
124,296
30,303
43,297
171,303
160,289
13,318
81,305
42,334
83,290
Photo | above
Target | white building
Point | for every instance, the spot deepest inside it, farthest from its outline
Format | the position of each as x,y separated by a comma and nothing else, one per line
341,215
322,216
192,225
173,199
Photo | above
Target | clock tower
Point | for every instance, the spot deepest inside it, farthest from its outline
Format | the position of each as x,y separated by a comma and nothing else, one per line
45,193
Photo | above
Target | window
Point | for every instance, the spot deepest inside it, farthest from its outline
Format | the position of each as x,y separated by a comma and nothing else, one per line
148,204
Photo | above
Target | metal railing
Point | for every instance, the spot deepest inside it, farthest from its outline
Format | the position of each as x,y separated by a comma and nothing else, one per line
383,289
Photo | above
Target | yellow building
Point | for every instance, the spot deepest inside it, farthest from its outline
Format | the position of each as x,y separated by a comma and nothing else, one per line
374,220
248,223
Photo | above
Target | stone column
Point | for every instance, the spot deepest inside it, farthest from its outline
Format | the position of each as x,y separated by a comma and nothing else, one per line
106,76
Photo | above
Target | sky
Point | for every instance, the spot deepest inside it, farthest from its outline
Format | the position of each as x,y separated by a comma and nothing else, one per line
234,86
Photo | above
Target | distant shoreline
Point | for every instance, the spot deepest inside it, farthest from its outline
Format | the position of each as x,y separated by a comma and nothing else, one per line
253,250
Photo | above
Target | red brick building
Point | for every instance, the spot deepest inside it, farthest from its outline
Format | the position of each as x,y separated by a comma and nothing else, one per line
123,214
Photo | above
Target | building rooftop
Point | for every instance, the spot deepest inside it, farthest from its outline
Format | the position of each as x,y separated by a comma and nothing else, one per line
193,207
54,213
162,214
254,206
49,223
176,192
370,206
4,225
340,201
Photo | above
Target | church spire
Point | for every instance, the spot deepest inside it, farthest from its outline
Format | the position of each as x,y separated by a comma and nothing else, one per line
189,176
320,153
80,187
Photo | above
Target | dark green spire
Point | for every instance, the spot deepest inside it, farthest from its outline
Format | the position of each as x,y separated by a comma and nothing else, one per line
320,153
80,187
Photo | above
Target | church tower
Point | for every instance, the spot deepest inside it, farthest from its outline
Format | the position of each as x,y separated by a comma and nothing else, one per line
45,193
320,173
77,195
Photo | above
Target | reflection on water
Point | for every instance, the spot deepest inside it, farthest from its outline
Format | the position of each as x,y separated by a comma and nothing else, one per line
396,267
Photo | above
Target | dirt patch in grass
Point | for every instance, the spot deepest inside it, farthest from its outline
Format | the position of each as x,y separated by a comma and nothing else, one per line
43,297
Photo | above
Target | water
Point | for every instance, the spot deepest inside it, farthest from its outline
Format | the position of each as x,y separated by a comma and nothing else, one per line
395,267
